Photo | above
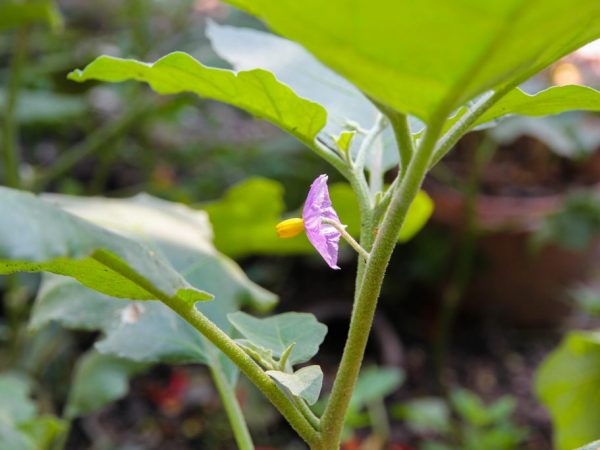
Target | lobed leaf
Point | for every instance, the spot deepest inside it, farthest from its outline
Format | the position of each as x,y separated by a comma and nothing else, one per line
305,383
554,100
278,332
567,383
429,57
255,91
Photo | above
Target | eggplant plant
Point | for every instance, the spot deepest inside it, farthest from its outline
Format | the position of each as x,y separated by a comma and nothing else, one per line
369,86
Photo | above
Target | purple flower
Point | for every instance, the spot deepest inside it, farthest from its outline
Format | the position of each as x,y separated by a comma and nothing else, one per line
324,237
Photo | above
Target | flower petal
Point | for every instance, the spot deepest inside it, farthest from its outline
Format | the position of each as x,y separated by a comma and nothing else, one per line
324,237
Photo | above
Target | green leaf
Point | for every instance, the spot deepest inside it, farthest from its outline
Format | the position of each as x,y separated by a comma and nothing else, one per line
424,415
348,110
568,383
34,107
554,100
44,431
14,439
15,403
345,203
256,91
37,236
278,332
305,383
148,331
375,383
591,446
98,380
244,220
429,57
15,14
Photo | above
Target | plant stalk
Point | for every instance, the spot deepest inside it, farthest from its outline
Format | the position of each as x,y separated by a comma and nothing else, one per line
349,239
233,410
9,130
223,342
366,301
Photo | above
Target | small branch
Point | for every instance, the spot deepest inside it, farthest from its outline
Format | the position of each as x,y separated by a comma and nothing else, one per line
232,409
460,128
307,412
349,239
9,130
367,143
404,139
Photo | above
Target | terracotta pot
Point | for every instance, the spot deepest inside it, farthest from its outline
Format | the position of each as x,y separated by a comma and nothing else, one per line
512,281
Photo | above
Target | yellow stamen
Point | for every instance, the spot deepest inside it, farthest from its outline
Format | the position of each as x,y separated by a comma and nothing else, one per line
290,228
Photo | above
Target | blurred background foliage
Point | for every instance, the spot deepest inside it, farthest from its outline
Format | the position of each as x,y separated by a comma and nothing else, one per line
506,266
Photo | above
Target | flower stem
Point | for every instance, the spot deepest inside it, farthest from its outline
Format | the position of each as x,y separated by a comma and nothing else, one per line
232,409
349,239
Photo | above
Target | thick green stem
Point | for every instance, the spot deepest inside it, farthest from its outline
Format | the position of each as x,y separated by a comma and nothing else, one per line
366,301
465,123
223,342
9,130
233,410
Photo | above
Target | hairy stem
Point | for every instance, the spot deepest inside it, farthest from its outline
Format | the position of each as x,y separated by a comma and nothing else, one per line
223,342
9,130
366,301
233,409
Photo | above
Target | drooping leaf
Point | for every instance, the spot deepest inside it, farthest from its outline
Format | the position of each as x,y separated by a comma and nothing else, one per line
37,236
98,380
14,14
431,56
554,100
568,383
304,383
347,108
256,91
278,332
148,331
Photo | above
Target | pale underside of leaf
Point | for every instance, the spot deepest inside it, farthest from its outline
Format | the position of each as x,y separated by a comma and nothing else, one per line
304,383
427,58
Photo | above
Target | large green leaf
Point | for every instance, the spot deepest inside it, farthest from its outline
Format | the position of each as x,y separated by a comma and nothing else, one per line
148,331
431,56
98,380
37,236
347,107
256,91
305,383
278,332
568,383
554,100
14,14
